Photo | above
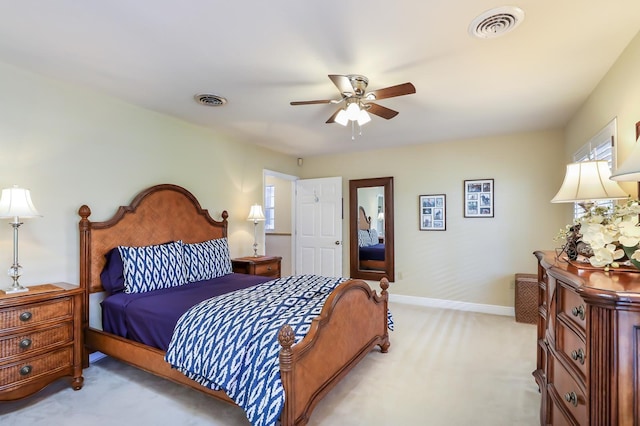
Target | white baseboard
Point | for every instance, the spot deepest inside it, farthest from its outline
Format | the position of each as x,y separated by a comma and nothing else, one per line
453,304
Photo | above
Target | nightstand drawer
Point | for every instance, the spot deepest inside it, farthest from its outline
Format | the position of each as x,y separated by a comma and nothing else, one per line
268,269
28,315
267,266
32,368
25,343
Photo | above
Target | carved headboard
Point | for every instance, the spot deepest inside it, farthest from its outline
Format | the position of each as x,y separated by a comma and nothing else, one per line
156,215
364,221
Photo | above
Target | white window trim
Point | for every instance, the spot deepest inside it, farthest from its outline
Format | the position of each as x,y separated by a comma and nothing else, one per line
269,205
592,150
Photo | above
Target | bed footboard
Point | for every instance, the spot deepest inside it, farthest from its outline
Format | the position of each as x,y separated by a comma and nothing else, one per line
352,322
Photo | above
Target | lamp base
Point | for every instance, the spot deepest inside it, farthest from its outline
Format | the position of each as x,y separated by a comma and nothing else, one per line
12,290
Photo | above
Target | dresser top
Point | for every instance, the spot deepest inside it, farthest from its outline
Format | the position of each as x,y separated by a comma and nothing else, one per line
614,284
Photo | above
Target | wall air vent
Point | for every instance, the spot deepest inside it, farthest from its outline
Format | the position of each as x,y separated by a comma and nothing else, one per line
496,22
210,100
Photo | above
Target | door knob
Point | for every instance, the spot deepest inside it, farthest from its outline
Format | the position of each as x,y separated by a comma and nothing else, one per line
337,243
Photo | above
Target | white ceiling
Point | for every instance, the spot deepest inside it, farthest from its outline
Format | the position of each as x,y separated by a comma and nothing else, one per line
261,55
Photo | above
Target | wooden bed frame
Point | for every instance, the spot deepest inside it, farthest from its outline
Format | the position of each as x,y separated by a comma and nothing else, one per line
364,223
352,322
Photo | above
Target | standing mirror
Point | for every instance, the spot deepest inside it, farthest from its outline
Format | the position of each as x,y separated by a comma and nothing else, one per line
371,228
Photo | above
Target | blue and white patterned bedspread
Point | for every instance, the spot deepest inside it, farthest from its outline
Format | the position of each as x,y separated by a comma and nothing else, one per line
230,342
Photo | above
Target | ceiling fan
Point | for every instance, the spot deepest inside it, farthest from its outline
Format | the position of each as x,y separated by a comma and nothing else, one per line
358,102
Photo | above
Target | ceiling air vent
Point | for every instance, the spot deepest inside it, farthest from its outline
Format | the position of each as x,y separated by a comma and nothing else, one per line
210,100
496,22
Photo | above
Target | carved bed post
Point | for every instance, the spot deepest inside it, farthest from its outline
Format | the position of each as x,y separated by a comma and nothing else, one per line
286,337
85,261
384,285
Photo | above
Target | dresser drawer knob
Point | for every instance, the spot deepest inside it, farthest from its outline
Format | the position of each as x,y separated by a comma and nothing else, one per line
25,370
572,398
269,268
578,355
25,343
25,316
578,311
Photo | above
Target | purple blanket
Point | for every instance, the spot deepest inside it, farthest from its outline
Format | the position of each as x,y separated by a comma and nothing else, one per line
374,252
150,317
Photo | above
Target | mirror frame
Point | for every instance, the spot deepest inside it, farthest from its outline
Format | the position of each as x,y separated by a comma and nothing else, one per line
389,268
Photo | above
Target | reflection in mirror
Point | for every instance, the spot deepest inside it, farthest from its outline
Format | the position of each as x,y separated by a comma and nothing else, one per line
371,228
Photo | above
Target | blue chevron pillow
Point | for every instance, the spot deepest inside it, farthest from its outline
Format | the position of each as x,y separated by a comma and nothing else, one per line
154,267
206,260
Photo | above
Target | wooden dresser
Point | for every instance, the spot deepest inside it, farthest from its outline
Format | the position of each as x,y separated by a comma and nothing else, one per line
588,352
268,266
40,339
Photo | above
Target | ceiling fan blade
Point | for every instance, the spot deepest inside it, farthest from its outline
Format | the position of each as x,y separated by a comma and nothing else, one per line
323,101
342,83
390,92
381,111
332,119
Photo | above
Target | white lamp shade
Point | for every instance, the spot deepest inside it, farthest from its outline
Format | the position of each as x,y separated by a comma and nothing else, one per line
587,181
630,169
341,118
16,202
255,214
363,117
353,111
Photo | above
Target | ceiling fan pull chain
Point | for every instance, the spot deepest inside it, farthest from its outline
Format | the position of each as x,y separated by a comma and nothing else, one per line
353,131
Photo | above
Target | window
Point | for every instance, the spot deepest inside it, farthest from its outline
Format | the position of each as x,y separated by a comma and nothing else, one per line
600,147
269,207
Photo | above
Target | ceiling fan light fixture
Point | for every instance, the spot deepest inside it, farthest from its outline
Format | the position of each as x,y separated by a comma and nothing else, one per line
353,111
342,118
363,117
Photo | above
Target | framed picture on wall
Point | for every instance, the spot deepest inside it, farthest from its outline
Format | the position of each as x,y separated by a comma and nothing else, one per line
433,212
478,198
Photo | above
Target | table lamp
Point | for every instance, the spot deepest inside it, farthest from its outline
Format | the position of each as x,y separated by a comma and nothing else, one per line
15,203
256,215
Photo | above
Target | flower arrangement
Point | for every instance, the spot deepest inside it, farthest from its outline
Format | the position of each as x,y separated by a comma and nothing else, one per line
610,233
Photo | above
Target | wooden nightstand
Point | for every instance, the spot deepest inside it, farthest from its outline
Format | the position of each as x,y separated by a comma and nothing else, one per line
267,266
40,339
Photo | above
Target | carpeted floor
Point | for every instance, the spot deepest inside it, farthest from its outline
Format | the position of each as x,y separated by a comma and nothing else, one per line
444,368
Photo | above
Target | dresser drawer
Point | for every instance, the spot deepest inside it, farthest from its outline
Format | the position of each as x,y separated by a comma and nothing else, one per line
556,417
569,392
572,305
25,343
32,314
32,368
573,348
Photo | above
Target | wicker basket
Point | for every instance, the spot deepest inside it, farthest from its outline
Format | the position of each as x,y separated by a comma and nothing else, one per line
526,298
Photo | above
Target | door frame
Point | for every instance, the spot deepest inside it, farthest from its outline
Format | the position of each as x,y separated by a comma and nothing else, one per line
292,179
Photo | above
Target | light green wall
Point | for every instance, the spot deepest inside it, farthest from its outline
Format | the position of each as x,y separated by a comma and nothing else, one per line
475,259
617,95
74,147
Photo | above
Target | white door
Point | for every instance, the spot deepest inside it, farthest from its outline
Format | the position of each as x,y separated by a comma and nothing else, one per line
319,226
